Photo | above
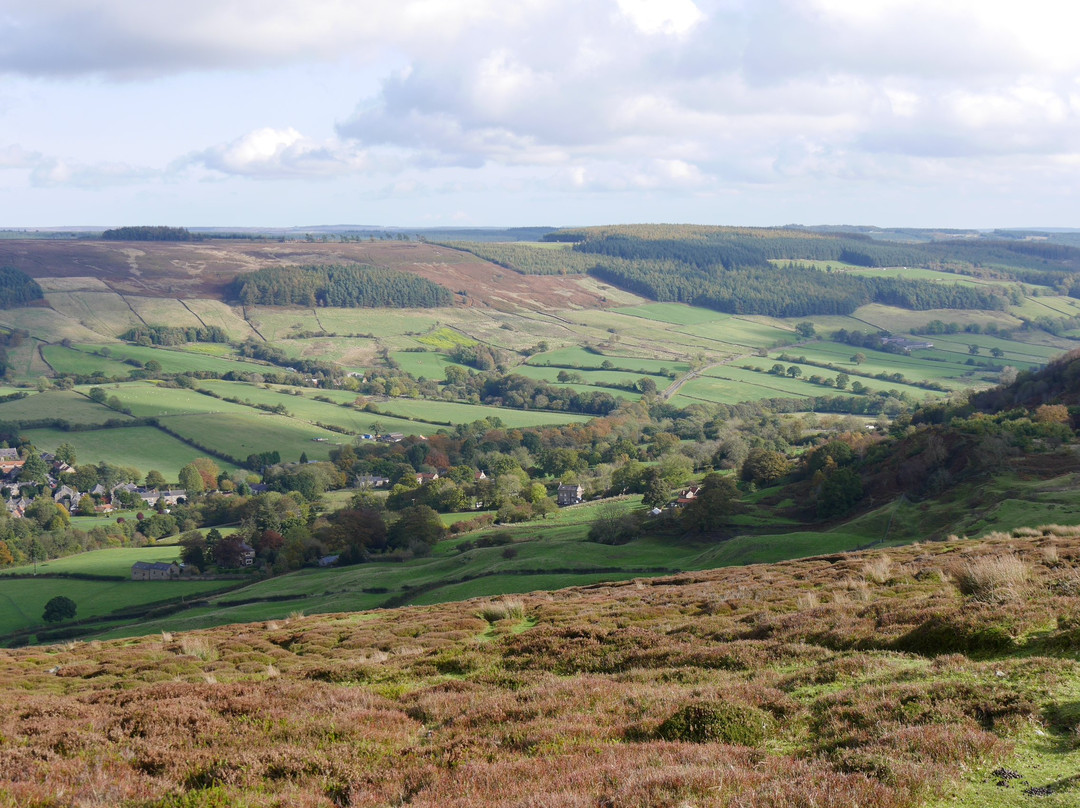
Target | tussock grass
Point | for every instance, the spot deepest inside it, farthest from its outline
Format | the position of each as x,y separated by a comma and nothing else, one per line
992,579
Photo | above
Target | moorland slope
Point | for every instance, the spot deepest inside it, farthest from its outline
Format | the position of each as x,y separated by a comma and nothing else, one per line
940,673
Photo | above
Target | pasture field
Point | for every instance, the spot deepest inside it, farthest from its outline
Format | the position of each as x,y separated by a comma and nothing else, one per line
579,358
182,361
352,353
141,447
1013,352
673,313
240,434
914,365
22,600
73,360
455,413
48,325
67,405
427,364
1049,306
596,378
25,362
114,561
146,398
106,313
743,333
306,409
163,311
215,312
902,321
918,273
750,387
811,370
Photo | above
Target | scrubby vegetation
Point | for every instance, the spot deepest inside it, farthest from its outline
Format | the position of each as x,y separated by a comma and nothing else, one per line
805,683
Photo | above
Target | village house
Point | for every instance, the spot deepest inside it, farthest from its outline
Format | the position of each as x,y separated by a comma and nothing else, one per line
426,477
688,496
247,554
371,481
10,460
570,494
154,571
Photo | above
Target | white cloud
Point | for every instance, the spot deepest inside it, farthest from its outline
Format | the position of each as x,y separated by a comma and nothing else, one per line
269,153
622,96
665,17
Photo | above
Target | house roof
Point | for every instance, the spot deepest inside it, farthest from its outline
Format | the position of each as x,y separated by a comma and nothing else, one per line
159,566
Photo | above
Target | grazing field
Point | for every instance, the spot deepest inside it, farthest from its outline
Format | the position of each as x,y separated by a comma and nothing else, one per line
244,433
454,413
67,405
116,561
151,399
22,600
580,358
82,362
141,447
428,365
163,311
217,313
673,313
765,364
103,312
182,361
902,321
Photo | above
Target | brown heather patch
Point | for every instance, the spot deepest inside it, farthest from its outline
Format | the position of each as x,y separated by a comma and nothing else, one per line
875,683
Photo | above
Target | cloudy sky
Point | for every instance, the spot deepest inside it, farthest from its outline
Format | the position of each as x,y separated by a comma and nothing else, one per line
961,113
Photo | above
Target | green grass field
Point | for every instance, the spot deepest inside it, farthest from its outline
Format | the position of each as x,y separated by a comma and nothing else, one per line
72,360
22,600
674,313
183,361
115,561
141,447
67,405
250,432
579,358
428,364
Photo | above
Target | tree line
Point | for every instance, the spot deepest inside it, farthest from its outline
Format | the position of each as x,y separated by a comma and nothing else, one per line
174,335
147,233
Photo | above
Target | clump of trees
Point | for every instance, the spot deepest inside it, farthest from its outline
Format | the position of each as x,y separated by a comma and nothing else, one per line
17,288
348,286
149,233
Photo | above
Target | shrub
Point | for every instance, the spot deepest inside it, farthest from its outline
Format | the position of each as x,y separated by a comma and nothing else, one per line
716,722
992,580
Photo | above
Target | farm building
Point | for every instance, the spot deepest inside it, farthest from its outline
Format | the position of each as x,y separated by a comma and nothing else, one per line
154,571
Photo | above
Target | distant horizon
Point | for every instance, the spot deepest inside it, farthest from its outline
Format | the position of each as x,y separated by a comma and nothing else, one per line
82,228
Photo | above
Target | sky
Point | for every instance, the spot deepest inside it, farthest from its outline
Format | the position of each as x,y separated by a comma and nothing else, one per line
943,113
